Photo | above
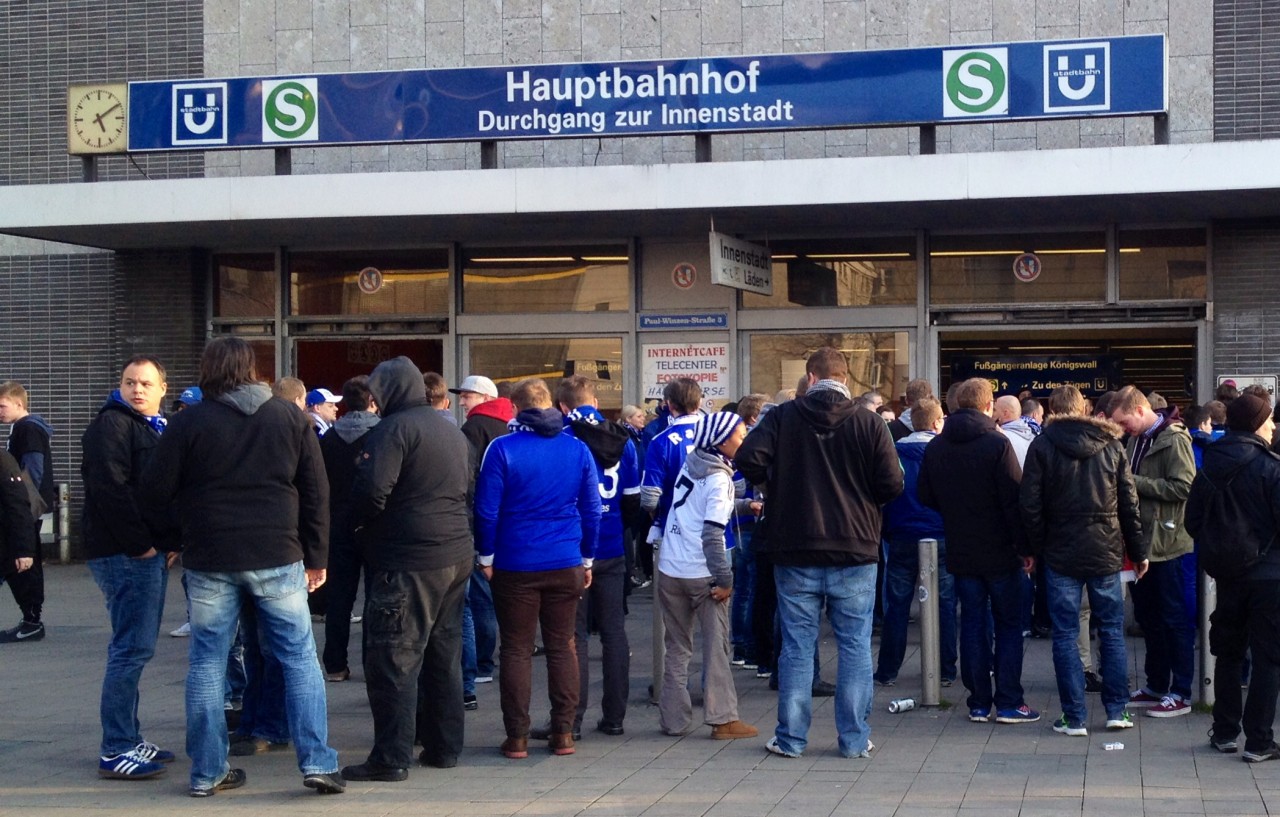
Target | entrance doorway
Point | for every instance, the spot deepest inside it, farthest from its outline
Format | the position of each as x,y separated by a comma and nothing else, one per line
1161,359
330,363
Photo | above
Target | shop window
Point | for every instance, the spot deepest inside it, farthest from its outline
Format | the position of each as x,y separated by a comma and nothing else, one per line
546,279
877,360
511,360
264,359
245,285
1158,265
866,272
377,282
1018,269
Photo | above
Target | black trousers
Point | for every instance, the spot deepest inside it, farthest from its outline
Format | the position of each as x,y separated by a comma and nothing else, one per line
343,584
1248,614
28,586
413,662
603,601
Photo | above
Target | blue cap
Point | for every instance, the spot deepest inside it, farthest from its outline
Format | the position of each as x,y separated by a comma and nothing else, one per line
190,396
317,396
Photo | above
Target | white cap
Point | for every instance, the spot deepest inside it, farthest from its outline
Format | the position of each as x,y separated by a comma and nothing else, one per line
317,396
478,384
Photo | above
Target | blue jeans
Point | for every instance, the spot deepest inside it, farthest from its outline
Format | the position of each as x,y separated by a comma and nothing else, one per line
134,592
279,597
987,603
1106,601
744,579
901,574
468,646
1161,611
485,621
849,594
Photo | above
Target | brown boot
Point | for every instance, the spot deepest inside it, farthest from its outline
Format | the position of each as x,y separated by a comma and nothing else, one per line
561,743
733,730
516,748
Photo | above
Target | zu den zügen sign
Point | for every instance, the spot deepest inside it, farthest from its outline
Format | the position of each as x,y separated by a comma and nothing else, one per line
1041,374
1109,76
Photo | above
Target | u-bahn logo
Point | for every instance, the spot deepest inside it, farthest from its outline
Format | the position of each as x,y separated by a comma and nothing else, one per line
199,113
1077,77
975,82
290,112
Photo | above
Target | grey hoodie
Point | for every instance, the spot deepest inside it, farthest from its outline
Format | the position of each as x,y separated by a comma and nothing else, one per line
1020,435
247,399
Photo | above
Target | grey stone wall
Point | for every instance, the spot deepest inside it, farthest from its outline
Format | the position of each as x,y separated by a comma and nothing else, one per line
1246,73
247,37
1246,309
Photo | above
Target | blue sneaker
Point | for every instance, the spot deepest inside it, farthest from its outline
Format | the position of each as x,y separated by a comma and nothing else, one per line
979,715
154,754
128,766
1023,714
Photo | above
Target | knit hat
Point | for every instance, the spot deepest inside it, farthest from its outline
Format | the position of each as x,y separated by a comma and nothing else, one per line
1247,413
714,428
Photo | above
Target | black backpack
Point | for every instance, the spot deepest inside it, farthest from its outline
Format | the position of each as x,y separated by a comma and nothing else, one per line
1230,549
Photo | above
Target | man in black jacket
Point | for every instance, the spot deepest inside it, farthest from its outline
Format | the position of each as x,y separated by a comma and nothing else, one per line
411,517
244,471
29,443
1081,511
1248,612
828,468
970,475
16,529
129,548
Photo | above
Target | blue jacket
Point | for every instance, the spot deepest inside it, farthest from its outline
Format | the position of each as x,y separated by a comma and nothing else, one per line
537,498
619,478
662,463
906,518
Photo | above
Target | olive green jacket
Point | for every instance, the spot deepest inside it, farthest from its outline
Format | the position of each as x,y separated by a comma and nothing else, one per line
1163,480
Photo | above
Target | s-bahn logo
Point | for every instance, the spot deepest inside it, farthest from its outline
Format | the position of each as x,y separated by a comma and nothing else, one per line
1077,77
199,113
290,112
975,82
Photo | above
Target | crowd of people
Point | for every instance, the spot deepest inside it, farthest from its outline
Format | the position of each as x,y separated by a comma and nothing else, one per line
538,516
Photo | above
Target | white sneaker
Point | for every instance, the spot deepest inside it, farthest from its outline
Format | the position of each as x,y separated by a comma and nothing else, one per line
182,632
774,748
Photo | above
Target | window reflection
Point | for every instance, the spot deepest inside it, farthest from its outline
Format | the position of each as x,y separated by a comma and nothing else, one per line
244,285
877,360
511,360
1063,267
377,282
542,279
1163,265
861,272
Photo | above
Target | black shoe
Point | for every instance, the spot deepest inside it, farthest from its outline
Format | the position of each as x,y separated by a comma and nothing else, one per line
470,703
26,631
610,729
373,771
823,689
1040,632
235,779
544,732
538,649
1228,746
331,783
437,762
1092,682
1272,752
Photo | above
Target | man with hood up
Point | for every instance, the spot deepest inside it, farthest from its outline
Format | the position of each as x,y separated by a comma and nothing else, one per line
1164,466
243,470
1081,512
29,443
619,473
410,513
130,546
341,449
970,475
828,467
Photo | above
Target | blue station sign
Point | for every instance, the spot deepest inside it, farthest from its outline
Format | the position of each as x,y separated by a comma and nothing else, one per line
1111,76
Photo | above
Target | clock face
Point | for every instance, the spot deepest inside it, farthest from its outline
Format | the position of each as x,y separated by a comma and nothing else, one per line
97,121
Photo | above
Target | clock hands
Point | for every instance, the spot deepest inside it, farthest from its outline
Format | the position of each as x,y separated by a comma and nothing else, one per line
103,115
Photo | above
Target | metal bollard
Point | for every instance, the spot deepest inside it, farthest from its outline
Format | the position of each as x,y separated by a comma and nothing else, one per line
930,641
1208,603
64,523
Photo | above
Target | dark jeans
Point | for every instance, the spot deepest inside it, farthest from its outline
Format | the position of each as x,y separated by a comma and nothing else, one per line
342,585
413,662
263,712
1264,680
764,611
902,570
28,586
744,579
603,602
1002,596
524,601
1161,611
1229,643
480,602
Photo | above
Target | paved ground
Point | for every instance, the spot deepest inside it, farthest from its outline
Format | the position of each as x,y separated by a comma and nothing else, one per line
927,762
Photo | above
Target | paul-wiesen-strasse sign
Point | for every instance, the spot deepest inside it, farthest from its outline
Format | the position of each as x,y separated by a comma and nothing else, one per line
1106,76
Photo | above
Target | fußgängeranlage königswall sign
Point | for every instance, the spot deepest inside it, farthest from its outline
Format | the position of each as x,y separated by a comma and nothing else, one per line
1111,76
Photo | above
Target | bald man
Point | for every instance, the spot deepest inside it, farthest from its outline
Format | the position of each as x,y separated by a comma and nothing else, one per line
1008,416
